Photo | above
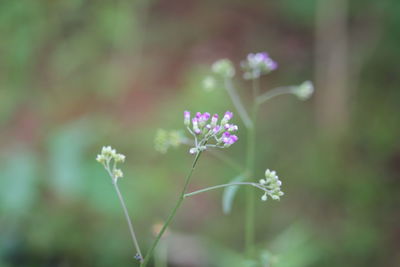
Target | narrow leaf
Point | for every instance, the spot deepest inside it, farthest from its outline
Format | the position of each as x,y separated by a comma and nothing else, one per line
230,193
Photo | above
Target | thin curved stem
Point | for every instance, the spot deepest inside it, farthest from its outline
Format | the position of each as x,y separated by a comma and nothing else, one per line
275,92
222,186
133,235
237,103
172,214
128,219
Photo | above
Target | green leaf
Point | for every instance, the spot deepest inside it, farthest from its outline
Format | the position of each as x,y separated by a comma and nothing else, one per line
230,193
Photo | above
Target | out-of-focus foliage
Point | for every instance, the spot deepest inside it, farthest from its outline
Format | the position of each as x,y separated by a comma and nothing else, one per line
79,74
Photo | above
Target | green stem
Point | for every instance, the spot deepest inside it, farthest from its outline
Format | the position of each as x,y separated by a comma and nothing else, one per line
250,165
121,200
172,214
222,186
237,103
133,235
274,93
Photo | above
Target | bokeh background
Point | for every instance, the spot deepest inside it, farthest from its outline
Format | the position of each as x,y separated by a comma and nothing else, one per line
79,74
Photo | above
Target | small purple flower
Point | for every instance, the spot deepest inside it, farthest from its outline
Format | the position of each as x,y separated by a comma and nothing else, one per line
206,116
186,118
214,120
233,139
228,115
226,137
198,115
258,64
203,118
196,128
216,129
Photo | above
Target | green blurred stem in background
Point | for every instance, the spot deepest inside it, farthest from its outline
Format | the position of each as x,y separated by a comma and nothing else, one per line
250,123
172,214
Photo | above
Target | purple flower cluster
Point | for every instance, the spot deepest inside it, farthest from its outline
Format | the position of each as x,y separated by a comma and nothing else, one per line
258,64
208,132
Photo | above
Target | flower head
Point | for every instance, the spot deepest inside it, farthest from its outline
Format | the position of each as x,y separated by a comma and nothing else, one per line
107,155
224,68
257,64
207,132
271,185
304,90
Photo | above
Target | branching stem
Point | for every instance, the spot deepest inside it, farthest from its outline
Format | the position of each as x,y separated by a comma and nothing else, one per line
172,214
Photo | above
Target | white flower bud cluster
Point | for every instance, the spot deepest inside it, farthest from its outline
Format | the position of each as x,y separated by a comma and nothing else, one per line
271,185
223,67
304,91
108,155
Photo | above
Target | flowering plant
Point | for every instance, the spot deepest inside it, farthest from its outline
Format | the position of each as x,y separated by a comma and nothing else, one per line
209,132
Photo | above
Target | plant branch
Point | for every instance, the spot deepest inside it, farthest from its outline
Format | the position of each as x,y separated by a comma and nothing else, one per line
133,235
173,212
222,186
238,103
128,219
275,92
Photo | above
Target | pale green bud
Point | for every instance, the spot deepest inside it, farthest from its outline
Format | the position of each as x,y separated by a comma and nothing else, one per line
209,83
224,67
304,91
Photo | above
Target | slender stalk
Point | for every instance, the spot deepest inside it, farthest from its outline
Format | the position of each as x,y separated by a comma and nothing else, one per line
172,214
133,235
222,186
121,200
274,92
250,155
237,103
250,165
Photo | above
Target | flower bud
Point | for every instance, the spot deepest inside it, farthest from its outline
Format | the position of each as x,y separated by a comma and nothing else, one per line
186,118
196,128
214,120
224,67
304,91
228,115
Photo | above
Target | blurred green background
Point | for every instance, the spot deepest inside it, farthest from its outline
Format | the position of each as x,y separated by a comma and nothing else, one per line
79,74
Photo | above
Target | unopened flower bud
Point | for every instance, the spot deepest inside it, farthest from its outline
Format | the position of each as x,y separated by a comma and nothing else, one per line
214,120
186,118
224,67
264,197
228,115
304,90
